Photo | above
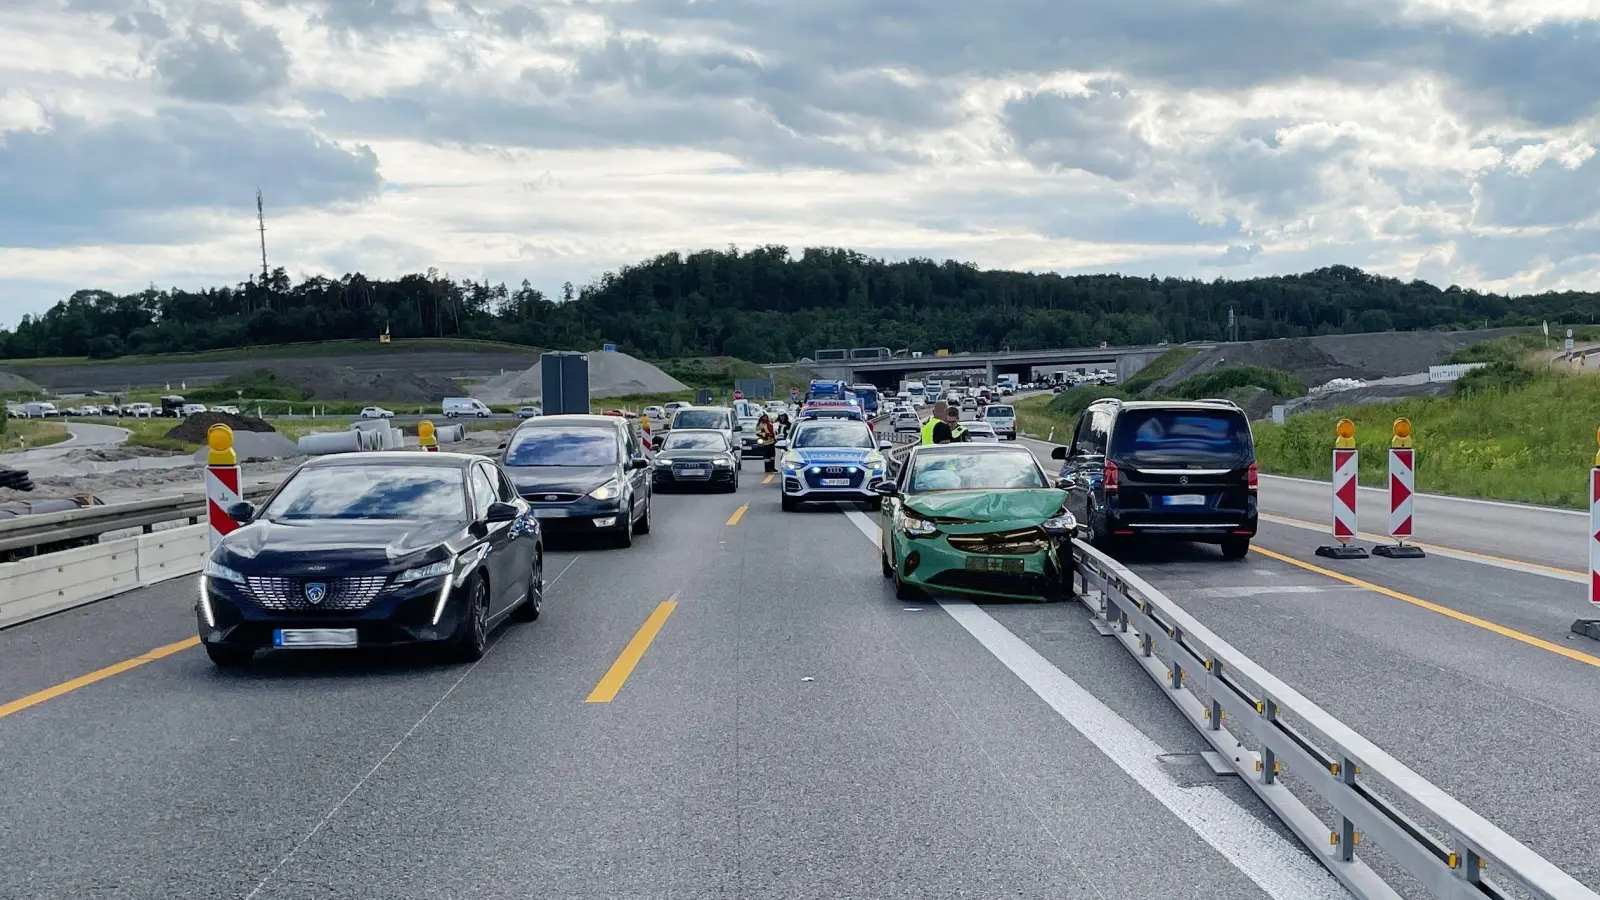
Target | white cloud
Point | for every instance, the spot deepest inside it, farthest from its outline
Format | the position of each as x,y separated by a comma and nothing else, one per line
1446,139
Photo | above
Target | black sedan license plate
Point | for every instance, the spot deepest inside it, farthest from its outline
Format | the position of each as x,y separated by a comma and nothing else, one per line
994,564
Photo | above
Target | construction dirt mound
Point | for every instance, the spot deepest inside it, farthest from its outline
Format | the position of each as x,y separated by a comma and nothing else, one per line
16,384
611,374
323,382
1318,360
193,429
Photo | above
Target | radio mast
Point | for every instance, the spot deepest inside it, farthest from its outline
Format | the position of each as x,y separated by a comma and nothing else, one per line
261,226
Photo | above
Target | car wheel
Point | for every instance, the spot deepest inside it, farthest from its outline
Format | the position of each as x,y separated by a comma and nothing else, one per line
643,525
229,656
1235,548
790,504
534,604
905,591
883,559
624,534
472,638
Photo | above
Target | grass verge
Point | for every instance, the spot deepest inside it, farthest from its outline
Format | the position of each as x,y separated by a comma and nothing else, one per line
26,434
1530,439
289,351
1159,368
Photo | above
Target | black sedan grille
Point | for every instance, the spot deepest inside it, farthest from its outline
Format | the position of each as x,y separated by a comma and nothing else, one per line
702,470
341,594
1002,543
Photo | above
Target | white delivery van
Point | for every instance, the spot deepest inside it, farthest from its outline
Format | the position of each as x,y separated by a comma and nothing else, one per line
465,406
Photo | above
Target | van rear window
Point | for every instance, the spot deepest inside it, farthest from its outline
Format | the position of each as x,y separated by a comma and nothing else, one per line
1179,438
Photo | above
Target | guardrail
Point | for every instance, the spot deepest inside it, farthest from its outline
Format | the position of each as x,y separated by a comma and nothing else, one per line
1373,795
45,529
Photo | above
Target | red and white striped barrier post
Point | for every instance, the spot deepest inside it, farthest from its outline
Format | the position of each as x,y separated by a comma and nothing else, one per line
425,437
1402,493
1346,466
1590,628
222,481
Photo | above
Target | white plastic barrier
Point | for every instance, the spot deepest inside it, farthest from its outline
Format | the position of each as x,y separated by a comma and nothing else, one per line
1452,372
41,585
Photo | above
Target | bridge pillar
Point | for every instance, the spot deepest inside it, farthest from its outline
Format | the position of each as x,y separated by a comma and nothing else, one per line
988,372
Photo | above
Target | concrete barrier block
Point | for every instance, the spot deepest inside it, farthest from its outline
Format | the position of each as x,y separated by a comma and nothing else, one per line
171,553
41,585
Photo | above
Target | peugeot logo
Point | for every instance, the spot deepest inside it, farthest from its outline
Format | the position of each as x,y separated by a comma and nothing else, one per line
1183,479
316,591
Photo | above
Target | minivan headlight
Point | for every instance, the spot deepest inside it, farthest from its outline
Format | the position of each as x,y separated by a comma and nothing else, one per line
608,491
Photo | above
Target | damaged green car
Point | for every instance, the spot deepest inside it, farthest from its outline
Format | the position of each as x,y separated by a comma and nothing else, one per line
978,520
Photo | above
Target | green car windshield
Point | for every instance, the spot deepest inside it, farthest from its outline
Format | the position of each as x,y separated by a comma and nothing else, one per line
975,472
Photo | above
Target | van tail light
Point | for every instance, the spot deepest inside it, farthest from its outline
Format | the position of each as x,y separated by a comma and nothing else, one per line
1111,476
1250,479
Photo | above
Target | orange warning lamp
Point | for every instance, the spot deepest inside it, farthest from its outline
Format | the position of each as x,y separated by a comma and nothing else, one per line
219,438
425,438
1346,430
1402,433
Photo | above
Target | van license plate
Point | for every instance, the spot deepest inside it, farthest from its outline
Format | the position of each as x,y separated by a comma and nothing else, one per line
1186,500
994,564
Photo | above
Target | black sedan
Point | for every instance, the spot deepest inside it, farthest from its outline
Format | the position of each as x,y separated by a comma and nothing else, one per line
374,550
696,457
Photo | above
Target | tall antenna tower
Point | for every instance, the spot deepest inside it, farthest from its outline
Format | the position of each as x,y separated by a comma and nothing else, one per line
261,226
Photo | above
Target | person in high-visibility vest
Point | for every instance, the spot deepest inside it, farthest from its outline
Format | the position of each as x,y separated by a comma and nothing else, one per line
939,429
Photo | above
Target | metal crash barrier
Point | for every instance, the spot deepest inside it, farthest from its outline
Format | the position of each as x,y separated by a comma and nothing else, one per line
1451,850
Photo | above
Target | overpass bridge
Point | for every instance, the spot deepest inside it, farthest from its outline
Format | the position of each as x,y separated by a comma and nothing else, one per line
887,372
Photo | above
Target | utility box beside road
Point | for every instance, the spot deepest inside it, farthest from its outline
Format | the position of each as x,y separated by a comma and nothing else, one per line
564,382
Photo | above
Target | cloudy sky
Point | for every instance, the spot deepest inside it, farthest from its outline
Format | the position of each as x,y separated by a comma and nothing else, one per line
1450,140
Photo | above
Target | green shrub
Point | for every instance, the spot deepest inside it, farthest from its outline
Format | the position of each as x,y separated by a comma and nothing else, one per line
1161,367
1219,381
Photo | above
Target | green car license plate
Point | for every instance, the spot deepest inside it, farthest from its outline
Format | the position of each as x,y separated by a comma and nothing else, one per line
994,564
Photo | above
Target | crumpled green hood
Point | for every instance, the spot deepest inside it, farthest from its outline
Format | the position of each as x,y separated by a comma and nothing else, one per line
974,507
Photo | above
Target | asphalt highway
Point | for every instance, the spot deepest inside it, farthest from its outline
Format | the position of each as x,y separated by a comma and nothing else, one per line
789,730
1460,664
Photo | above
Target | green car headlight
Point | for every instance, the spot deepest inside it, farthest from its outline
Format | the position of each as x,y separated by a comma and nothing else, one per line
1063,523
916,526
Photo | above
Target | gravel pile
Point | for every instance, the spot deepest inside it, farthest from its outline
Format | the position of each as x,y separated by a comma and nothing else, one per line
16,384
193,429
612,374
323,382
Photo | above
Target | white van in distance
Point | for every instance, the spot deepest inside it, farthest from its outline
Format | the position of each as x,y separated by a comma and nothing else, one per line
465,406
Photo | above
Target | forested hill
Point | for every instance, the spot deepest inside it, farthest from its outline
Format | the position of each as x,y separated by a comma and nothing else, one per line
770,305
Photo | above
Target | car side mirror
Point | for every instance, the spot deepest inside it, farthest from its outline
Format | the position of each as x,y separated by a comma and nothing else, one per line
241,512
1064,483
738,428
886,489
782,445
501,512
639,463
1058,453
502,446
885,445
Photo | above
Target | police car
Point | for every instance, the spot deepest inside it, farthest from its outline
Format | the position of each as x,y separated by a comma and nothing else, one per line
831,458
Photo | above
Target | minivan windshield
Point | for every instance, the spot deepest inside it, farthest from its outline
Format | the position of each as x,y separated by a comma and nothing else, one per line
1153,438
562,445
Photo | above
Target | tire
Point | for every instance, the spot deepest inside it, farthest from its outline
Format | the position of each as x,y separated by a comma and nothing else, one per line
643,525
875,504
733,486
623,536
1235,548
229,656
472,636
883,559
790,504
529,609
905,591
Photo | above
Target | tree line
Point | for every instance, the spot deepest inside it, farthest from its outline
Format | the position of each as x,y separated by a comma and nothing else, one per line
769,305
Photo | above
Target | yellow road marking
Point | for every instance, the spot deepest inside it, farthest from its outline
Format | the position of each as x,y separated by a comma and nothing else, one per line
1384,539
738,514
67,687
612,681
1459,616
768,479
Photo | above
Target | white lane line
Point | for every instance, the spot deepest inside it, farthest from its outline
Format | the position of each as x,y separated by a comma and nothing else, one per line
1435,550
300,845
1277,866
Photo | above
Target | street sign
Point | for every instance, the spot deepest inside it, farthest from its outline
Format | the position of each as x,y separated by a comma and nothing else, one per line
794,392
609,348
1569,343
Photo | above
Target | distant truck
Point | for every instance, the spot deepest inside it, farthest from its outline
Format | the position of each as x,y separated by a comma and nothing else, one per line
868,395
916,390
1006,379
823,389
